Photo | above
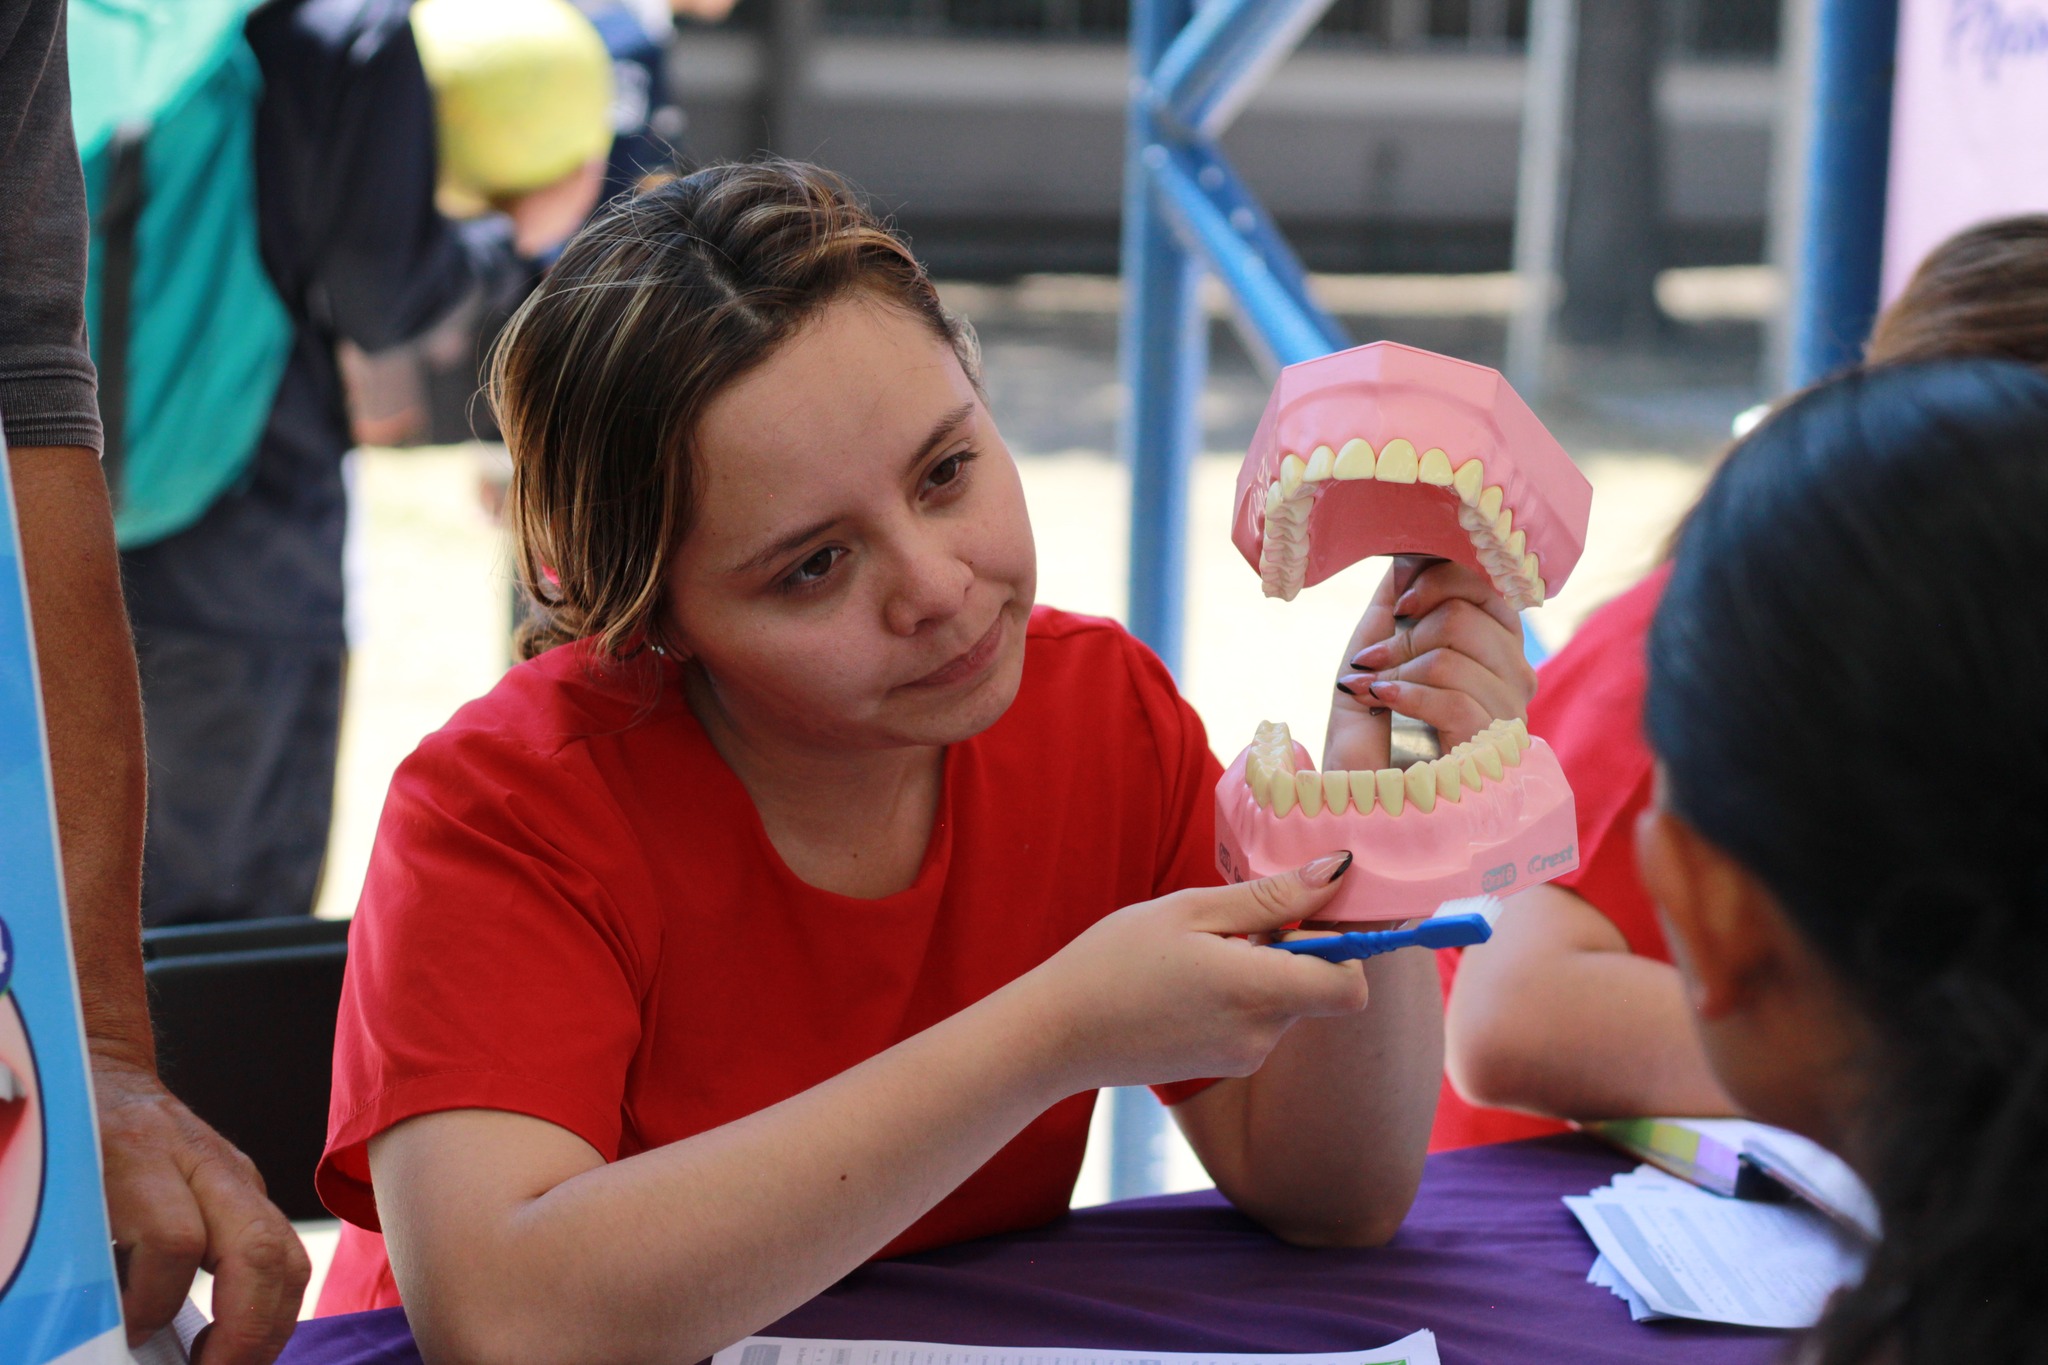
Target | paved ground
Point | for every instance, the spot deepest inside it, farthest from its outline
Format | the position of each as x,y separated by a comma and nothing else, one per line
432,609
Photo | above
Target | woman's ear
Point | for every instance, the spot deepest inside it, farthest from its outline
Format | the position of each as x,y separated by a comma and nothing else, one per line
1723,934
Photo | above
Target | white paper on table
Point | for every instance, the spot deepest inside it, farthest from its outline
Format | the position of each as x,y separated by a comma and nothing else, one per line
1691,1254
1614,1282
1416,1349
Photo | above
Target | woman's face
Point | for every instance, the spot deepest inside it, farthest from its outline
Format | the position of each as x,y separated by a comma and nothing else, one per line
861,569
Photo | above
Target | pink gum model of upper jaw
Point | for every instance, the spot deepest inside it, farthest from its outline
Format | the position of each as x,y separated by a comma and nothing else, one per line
1385,449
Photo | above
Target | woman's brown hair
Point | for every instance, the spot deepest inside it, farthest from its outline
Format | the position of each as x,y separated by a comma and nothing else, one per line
600,378
1983,292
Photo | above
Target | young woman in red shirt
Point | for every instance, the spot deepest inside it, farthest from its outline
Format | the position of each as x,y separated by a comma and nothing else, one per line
766,920
1573,1010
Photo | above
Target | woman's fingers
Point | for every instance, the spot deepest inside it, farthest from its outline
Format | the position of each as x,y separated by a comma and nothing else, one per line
1460,628
1453,714
1446,580
1268,903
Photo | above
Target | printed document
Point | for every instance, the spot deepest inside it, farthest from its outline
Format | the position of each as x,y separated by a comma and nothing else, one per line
1683,1252
1417,1349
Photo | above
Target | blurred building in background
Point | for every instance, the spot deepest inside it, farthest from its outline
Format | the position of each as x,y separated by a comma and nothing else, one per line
994,128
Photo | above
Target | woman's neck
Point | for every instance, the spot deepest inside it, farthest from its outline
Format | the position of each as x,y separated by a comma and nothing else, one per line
855,823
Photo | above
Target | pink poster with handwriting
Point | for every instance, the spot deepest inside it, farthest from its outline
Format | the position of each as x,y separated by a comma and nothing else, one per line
1969,123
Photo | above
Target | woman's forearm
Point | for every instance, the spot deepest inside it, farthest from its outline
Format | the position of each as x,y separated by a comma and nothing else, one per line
1323,1145
1552,1019
677,1252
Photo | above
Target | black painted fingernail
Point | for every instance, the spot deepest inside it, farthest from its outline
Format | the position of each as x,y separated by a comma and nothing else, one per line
1345,690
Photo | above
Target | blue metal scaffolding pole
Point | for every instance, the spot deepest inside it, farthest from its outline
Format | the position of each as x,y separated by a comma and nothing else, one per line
1186,209
1842,242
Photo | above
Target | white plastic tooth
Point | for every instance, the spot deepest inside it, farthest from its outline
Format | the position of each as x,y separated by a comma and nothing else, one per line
1397,462
1490,501
1322,463
1468,772
1292,467
1503,526
1532,568
1517,546
1519,728
1538,592
1420,783
1435,467
1355,460
1363,790
1275,500
1489,760
1468,480
1449,786
1392,790
1258,775
1308,790
1336,790
1502,744
1285,795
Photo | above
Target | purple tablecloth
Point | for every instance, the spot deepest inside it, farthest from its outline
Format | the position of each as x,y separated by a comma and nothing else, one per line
1489,1260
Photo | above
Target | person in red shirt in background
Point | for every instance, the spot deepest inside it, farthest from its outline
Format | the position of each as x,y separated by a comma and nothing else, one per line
1573,1010
766,920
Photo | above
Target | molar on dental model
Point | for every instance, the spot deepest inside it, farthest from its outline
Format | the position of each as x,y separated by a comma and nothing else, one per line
1381,450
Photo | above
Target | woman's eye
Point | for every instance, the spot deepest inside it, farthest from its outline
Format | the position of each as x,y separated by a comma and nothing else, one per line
814,568
948,470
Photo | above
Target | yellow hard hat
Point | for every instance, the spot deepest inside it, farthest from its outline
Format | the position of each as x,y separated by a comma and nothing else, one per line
522,93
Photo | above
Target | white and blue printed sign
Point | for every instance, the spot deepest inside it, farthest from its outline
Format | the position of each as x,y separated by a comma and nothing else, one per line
1969,110
58,1300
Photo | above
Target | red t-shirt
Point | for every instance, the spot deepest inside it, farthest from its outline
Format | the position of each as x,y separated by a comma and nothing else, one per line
574,912
1589,706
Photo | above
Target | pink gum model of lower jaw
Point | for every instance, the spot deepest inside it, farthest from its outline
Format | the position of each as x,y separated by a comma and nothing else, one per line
1385,449
1510,827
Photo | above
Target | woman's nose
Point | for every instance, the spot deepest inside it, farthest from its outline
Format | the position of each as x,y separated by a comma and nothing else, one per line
932,587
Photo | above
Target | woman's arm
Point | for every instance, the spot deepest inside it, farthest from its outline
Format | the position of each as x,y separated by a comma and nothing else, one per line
513,1241
1323,1145
1557,1017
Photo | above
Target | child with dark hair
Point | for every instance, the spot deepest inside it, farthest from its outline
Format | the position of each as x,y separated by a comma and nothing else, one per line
766,919
1858,909
1574,1011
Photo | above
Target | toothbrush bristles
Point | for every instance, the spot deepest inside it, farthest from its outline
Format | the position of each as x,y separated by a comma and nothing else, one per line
1487,907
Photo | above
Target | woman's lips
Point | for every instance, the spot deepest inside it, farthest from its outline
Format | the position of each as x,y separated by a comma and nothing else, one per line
968,666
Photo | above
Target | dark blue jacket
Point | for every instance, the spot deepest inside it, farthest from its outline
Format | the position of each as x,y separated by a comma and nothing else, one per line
345,190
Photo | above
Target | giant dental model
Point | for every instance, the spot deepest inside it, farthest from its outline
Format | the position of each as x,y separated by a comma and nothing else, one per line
1385,449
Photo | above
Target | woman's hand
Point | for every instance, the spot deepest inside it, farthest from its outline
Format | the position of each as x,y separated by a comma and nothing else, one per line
1438,644
1157,992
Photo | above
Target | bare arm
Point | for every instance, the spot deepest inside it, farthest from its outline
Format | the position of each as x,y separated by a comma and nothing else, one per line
1323,1145
513,1241
1555,1016
178,1196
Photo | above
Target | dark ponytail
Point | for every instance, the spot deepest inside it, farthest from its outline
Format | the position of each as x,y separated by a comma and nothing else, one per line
1849,695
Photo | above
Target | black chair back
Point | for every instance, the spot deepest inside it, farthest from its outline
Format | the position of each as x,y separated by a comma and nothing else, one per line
244,1015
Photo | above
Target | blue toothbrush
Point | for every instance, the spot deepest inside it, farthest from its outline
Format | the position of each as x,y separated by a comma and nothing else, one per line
1456,924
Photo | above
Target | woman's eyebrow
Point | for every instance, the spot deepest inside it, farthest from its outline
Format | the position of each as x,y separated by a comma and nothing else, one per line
949,422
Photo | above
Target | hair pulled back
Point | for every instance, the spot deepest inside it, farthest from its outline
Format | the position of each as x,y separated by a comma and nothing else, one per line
1982,292
655,307
1846,684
